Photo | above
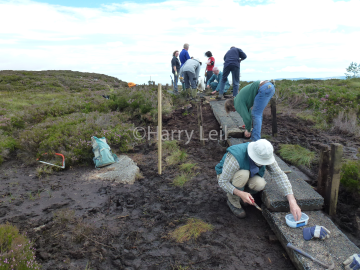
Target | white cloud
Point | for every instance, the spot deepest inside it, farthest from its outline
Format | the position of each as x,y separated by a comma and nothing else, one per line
133,41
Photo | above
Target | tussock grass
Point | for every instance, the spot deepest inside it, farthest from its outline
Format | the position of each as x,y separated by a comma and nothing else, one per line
170,146
296,154
346,123
176,157
350,175
187,167
181,179
192,230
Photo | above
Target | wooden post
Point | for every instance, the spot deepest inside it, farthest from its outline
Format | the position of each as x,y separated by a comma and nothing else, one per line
273,117
200,123
332,190
159,131
323,175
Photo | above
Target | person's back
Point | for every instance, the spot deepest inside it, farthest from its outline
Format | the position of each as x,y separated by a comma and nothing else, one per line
184,55
191,65
233,56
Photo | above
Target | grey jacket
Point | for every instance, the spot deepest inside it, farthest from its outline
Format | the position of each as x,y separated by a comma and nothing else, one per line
192,66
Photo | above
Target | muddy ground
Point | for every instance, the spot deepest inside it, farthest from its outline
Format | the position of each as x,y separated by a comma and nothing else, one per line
76,221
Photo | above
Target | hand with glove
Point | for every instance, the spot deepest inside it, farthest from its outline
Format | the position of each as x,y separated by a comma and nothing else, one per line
176,73
353,262
316,231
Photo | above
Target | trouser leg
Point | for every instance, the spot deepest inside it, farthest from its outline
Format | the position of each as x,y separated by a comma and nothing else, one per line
176,83
235,72
213,85
208,75
262,98
187,79
226,73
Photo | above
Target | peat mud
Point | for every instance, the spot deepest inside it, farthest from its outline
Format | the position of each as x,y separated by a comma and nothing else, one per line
76,221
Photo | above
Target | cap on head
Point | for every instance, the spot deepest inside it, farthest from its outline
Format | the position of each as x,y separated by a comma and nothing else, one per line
197,59
261,152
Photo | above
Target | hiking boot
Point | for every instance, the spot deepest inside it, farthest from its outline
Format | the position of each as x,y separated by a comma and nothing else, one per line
220,97
233,202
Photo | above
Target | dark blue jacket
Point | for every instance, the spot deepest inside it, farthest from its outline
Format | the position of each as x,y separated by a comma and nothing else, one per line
233,56
184,56
239,151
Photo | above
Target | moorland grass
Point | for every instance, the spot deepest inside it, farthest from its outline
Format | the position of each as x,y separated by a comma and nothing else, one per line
296,154
59,111
191,230
350,175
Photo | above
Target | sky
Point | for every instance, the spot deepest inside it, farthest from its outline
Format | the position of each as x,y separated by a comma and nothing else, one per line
133,40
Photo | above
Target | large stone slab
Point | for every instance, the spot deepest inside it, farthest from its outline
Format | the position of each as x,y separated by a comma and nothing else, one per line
123,171
231,121
335,249
306,197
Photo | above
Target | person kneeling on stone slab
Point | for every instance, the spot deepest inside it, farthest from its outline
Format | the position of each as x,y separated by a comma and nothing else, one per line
243,167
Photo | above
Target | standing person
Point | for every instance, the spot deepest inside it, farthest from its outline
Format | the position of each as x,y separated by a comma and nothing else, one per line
209,65
175,67
184,56
190,71
232,63
213,82
240,174
256,95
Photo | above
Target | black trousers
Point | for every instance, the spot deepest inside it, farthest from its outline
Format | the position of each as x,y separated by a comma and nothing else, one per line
209,73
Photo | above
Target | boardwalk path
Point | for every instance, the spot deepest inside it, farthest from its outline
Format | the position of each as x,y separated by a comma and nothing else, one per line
275,206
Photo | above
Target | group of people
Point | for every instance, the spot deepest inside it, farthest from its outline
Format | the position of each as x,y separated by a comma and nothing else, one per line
241,170
188,69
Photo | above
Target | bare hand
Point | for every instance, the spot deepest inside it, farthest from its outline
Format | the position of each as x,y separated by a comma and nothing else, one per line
294,208
247,134
246,197
208,86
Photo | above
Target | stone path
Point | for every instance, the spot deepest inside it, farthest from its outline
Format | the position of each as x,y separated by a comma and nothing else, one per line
335,250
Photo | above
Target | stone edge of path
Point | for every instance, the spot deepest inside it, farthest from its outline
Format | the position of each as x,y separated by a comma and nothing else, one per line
335,249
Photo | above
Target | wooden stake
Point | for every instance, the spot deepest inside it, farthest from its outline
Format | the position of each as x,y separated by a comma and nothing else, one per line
323,175
200,123
273,117
159,131
332,190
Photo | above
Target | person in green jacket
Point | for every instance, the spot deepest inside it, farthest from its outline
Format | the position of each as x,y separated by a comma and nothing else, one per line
256,96
214,81
240,173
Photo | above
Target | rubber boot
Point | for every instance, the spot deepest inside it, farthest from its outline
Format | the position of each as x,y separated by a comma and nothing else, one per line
233,202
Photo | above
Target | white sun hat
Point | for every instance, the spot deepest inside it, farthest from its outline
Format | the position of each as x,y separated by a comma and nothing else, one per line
261,152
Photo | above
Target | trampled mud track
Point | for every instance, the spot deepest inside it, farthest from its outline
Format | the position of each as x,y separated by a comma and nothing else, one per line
116,226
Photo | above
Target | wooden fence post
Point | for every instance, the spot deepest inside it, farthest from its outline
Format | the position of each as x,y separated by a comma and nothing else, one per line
159,131
323,175
332,190
200,123
273,117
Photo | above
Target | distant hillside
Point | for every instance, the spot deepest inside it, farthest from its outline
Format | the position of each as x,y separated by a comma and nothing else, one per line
304,78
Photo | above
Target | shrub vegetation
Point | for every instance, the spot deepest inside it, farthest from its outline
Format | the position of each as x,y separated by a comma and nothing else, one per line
16,251
59,111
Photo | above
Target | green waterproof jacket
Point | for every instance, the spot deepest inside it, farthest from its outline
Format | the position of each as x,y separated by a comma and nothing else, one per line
244,101
239,151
